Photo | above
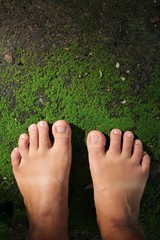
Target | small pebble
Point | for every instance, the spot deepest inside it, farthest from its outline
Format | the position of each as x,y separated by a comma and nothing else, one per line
117,65
123,79
42,101
124,102
8,58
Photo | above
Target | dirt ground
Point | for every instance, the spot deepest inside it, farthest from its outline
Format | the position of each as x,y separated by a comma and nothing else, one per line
130,30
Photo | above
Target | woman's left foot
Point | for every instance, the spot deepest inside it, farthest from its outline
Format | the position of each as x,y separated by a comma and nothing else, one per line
41,169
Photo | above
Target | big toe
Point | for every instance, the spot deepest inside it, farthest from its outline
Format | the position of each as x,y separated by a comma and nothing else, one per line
15,158
62,135
96,142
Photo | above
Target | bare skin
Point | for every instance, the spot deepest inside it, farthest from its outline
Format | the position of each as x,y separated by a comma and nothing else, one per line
119,177
41,169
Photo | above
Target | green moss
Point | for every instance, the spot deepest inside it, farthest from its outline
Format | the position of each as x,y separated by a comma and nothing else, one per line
87,91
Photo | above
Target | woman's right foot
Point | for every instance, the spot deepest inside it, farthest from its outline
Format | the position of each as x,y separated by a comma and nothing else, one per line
119,177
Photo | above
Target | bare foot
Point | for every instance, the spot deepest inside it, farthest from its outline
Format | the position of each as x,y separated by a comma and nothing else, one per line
119,177
41,169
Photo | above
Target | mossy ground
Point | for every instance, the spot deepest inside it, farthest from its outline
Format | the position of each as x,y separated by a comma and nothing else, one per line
88,92
79,82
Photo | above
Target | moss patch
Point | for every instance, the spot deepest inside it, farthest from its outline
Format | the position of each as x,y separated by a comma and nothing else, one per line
86,89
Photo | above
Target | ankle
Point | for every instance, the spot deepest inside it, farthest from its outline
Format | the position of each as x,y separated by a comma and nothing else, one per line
48,227
48,233
121,230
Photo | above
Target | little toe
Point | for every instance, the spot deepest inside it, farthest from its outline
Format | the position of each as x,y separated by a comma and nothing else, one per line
15,158
62,135
128,143
23,144
137,151
33,137
43,130
145,162
115,141
96,142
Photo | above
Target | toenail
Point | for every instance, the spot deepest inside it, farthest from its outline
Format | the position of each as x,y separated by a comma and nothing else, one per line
23,136
129,134
138,142
32,126
61,129
94,138
116,131
16,149
42,124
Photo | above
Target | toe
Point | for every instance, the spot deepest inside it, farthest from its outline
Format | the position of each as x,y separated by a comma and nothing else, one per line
62,135
43,130
128,143
137,151
33,137
15,158
23,144
145,162
96,142
115,142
